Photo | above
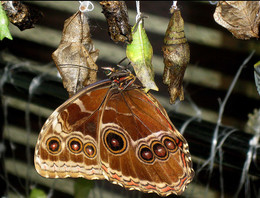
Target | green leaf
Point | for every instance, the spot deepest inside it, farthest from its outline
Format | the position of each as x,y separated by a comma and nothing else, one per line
82,188
140,53
4,25
37,193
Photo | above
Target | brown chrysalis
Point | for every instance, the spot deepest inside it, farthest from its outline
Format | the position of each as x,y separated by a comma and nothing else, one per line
21,15
176,53
241,18
76,55
116,15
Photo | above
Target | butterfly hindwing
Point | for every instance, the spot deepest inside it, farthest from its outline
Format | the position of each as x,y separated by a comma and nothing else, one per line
68,142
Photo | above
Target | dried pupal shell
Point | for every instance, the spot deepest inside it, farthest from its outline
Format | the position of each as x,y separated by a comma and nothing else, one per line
21,15
176,54
257,76
76,55
4,25
116,15
241,18
140,53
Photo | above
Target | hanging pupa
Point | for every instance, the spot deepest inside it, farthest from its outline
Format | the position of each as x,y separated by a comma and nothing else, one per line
4,25
140,53
21,15
176,53
76,55
116,15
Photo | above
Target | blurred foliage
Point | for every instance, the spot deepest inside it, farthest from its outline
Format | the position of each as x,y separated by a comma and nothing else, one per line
82,188
37,193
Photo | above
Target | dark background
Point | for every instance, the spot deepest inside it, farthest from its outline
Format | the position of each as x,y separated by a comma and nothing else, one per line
223,60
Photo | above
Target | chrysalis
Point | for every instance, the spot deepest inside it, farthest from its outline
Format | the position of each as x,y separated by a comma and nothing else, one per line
116,14
21,15
4,25
76,55
140,53
241,18
257,76
176,53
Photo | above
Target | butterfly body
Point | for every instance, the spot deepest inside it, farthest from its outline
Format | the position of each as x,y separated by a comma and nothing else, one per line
114,130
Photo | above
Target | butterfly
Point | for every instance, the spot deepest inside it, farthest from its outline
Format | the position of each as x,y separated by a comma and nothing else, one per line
113,130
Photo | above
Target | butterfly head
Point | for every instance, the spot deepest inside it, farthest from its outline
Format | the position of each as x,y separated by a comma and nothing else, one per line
122,78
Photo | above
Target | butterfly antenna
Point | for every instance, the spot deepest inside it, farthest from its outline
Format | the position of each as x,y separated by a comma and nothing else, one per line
129,64
118,64
124,67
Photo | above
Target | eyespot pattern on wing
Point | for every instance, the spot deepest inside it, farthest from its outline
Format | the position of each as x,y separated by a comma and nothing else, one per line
159,150
115,141
75,145
169,143
146,154
90,150
53,145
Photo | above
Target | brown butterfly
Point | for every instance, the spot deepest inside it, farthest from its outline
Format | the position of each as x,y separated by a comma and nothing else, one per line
113,130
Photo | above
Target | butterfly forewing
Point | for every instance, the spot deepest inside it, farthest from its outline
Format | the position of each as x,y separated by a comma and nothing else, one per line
141,149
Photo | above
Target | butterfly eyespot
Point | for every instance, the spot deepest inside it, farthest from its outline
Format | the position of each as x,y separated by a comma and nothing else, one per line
53,145
90,150
159,150
146,154
75,145
115,141
170,144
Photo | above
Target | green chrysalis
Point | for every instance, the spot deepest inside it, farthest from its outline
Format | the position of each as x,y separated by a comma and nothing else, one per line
140,53
4,25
